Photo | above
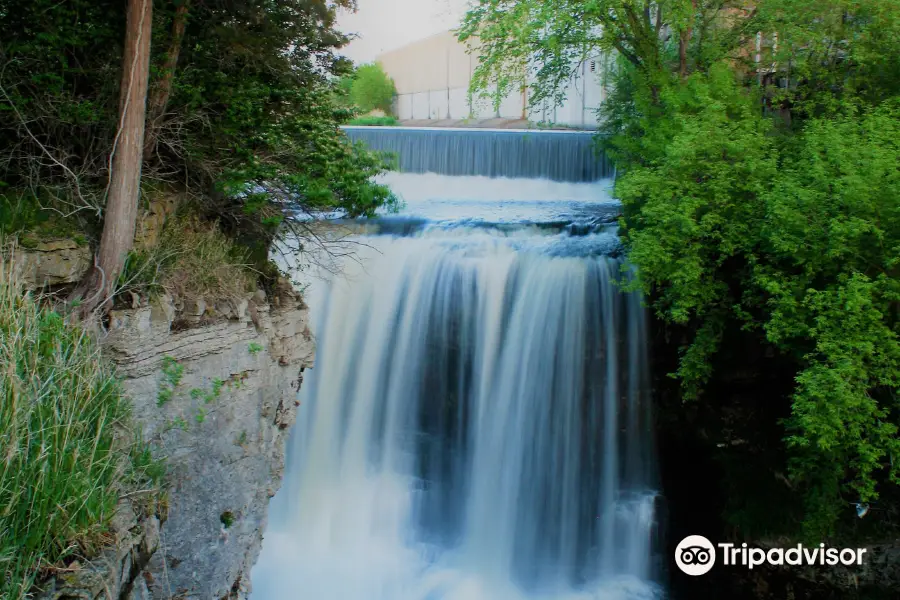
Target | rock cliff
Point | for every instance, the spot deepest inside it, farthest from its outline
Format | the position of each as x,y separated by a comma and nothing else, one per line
214,388
217,397
52,262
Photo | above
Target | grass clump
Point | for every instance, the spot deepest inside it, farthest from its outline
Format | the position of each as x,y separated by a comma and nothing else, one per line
66,450
372,121
192,260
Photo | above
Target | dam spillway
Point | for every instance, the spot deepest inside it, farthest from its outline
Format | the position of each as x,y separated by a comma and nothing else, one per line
556,155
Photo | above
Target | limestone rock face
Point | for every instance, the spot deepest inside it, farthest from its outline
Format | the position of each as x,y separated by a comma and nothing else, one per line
151,220
52,262
217,400
117,572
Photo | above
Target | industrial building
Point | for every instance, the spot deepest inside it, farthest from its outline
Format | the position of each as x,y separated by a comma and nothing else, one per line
432,80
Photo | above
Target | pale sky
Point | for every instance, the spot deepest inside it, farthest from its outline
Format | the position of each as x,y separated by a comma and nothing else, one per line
388,24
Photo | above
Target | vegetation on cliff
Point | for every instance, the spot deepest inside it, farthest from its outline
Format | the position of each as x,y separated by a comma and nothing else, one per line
68,451
757,145
240,113
226,104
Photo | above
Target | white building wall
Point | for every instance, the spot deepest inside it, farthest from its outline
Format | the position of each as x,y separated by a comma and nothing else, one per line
512,106
459,103
432,78
482,108
420,105
403,106
438,104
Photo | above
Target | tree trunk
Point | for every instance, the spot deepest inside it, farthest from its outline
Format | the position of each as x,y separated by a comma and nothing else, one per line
159,97
125,174
686,36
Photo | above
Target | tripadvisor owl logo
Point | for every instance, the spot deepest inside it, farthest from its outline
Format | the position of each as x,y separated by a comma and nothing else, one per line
695,555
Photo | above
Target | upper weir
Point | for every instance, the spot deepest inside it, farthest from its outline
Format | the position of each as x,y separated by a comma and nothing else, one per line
555,155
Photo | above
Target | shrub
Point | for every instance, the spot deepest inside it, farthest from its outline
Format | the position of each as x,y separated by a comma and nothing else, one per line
373,121
372,88
66,454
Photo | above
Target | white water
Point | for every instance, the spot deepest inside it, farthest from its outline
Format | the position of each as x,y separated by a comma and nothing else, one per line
477,426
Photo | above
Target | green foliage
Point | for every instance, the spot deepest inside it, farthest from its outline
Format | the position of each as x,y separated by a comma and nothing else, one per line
372,88
342,92
23,215
731,216
374,121
255,348
59,98
64,439
755,201
172,372
538,42
227,519
250,129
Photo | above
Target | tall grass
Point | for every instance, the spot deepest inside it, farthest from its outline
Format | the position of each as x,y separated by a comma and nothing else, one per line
66,449
192,260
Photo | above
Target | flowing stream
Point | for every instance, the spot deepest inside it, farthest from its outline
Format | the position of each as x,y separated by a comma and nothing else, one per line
477,425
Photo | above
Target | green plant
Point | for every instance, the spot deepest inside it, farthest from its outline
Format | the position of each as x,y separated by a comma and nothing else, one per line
255,348
172,372
23,214
227,519
216,390
65,463
372,121
372,88
753,202
249,116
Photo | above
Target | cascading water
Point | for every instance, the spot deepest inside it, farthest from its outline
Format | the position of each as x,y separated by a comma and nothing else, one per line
477,423
554,155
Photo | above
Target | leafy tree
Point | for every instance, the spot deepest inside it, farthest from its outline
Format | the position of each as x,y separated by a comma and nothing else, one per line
758,194
241,113
343,91
372,88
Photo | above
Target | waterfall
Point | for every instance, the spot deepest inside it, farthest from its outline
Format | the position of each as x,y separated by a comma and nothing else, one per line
556,155
477,425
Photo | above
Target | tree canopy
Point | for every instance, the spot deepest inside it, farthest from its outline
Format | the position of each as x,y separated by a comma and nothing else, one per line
241,112
372,88
759,174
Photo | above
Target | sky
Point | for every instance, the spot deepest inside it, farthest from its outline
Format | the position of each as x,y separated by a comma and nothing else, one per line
384,25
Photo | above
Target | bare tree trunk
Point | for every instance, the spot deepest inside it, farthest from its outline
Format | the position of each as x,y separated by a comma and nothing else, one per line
686,36
125,172
159,97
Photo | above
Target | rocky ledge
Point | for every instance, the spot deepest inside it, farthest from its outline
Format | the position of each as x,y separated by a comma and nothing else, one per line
215,391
